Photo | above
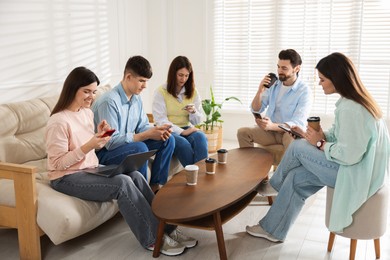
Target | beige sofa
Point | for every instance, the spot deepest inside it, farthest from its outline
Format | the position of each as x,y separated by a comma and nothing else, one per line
27,202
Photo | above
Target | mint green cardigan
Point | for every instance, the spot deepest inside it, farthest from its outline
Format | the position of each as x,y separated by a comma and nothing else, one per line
360,144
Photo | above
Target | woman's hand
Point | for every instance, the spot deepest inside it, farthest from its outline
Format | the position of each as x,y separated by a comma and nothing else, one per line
190,108
103,127
313,136
298,130
189,131
96,142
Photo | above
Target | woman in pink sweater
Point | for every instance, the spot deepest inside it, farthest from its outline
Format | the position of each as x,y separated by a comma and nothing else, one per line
71,142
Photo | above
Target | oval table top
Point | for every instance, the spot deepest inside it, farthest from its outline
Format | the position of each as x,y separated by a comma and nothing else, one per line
245,168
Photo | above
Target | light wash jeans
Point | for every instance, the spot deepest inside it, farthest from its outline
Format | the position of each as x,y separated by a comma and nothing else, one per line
303,171
192,148
161,163
132,192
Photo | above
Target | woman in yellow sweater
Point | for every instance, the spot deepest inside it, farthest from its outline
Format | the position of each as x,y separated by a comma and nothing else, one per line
178,103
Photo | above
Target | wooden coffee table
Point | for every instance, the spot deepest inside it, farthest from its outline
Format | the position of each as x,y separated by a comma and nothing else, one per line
216,198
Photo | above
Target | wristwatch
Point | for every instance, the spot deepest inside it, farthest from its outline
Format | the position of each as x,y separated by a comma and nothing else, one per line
320,143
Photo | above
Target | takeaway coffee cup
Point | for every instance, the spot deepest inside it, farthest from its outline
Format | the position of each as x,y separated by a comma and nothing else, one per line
273,79
222,156
314,122
211,164
191,174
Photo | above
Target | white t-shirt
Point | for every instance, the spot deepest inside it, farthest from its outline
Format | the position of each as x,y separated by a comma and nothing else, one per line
277,115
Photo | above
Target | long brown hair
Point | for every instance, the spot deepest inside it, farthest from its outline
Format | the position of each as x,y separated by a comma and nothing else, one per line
77,78
340,70
178,63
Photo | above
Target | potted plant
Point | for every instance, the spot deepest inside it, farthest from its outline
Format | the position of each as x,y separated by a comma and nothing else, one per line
212,126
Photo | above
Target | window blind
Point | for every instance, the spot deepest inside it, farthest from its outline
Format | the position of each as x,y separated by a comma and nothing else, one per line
249,34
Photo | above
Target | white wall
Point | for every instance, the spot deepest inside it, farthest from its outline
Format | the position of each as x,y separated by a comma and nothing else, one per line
179,27
42,40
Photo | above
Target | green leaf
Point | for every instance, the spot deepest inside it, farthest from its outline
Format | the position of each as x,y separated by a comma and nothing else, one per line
212,110
227,99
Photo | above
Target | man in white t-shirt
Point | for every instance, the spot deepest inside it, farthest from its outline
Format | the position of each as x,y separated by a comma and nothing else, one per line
287,102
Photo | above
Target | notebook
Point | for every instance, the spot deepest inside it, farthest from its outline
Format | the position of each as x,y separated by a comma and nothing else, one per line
131,163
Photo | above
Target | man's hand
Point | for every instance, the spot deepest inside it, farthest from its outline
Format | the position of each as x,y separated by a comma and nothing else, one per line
162,132
265,81
267,124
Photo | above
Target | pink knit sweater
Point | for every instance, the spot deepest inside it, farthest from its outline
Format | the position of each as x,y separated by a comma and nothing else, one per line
66,132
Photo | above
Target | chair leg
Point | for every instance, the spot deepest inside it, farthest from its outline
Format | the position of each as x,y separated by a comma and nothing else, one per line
331,241
352,249
377,248
270,200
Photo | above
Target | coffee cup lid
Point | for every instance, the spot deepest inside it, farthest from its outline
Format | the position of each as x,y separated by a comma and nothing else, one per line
210,160
191,167
313,119
272,75
222,151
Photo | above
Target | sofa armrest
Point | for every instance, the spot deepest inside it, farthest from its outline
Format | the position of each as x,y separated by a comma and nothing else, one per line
24,215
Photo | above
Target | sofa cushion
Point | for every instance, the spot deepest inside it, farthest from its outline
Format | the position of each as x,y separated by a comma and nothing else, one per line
22,131
65,217
60,216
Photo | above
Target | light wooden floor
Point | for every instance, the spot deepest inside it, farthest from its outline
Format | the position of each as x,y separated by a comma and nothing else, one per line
307,240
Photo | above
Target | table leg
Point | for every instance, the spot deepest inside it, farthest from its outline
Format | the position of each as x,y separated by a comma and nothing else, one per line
219,233
158,242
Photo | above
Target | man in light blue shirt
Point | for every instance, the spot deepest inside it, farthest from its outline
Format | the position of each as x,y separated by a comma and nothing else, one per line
122,109
287,102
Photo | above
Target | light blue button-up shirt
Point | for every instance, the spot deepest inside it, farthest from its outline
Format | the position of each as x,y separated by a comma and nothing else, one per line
296,103
126,116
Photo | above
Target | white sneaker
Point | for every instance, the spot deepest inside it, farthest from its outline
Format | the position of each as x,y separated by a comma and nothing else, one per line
187,241
258,231
170,247
266,190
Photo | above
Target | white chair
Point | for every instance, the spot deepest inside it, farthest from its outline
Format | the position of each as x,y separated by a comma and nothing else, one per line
369,221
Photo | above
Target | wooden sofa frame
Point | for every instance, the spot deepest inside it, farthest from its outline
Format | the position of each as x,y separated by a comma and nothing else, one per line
23,216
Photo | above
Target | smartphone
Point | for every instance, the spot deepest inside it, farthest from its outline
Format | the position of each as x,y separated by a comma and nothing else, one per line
108,133
290,131
257,115
187,106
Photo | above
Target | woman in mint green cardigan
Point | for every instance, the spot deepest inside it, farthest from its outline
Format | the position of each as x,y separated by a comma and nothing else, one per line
352,157
178,103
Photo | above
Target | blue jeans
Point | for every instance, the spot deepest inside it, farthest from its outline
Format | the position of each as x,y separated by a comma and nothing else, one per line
132,192
192,148
161,163
303,171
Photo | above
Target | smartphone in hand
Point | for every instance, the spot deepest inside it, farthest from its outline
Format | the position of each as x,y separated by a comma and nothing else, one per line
108,133
188,106
257,115
289,130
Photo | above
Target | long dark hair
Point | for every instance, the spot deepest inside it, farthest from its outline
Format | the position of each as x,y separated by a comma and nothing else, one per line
340,70
77,78
178,63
